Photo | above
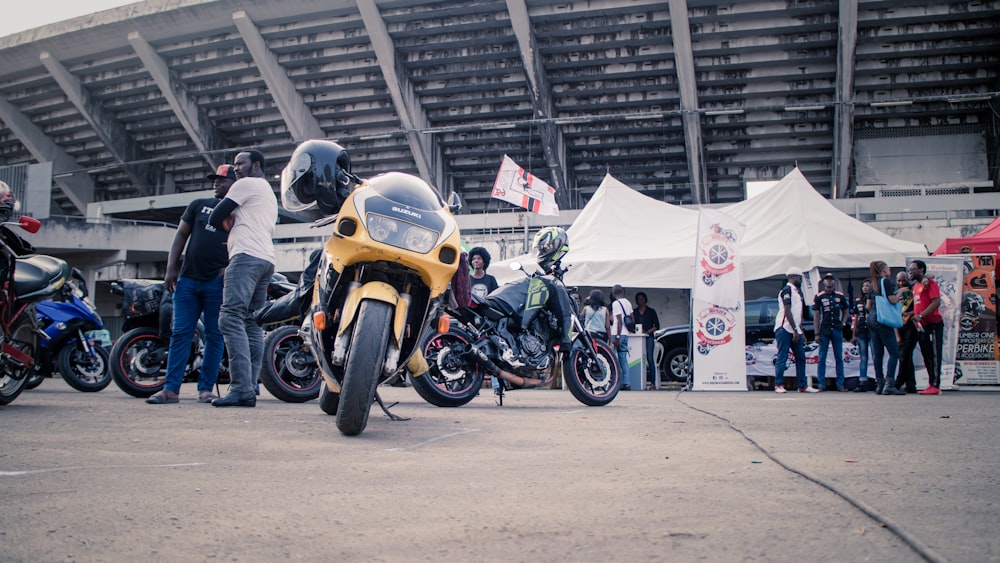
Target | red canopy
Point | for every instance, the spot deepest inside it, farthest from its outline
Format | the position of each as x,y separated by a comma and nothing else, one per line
986,241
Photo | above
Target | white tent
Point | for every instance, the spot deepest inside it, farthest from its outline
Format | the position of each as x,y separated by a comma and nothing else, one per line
790,224
624,237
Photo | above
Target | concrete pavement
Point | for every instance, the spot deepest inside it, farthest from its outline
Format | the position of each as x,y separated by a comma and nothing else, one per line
659,475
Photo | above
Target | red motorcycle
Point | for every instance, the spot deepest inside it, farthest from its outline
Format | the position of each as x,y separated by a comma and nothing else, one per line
23,281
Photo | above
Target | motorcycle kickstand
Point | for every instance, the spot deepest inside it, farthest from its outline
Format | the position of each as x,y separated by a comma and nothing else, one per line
385,409
500,393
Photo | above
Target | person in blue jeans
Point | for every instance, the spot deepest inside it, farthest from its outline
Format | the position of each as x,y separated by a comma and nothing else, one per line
620,309
883,338
197,290
861,339
830,306
788,334
249,212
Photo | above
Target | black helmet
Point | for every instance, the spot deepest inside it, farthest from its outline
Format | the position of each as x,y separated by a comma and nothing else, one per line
316,175
551,244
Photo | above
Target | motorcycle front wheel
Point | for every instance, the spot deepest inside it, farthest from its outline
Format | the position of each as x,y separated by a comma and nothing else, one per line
83,371
289,371
13,375
592,380
452,380
139,362
369,342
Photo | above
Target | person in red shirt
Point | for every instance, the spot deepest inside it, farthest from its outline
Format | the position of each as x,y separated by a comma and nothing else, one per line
928,322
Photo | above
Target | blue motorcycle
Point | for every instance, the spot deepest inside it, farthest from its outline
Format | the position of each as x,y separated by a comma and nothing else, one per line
71,340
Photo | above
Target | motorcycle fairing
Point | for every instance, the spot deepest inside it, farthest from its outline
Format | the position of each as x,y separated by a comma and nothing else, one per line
343,251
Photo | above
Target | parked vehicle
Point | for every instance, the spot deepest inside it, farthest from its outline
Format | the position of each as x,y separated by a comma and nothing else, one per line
673,344
68,342
23,282
139,356
289,370
493,336
393,248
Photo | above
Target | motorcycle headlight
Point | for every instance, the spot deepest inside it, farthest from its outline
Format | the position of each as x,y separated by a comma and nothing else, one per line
400,234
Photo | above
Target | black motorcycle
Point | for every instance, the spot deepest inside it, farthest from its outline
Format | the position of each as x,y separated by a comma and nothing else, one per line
289,370
495,335
139,356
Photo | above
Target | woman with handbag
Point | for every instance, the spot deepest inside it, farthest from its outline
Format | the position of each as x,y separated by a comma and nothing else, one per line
882,310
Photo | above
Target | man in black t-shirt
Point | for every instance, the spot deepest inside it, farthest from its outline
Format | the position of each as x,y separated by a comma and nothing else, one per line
830,308
197,289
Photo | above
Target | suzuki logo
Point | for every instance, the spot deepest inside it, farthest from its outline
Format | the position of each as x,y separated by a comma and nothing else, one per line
413,214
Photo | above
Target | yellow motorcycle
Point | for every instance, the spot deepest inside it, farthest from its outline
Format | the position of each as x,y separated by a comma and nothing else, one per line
393,248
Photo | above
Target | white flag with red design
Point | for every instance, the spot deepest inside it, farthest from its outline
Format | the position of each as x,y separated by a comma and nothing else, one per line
521,188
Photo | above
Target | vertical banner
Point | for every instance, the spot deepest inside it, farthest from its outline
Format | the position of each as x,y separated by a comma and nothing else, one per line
719,355
977,324
515,185
947,270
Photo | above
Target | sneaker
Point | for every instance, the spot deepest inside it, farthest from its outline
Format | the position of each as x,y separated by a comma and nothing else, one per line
779,389
889,390
930,391
862,387
808,390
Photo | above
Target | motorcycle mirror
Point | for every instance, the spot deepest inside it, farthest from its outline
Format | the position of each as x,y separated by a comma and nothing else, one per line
516,266
454,202
29,224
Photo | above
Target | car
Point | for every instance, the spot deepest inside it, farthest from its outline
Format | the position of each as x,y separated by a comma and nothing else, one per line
673,344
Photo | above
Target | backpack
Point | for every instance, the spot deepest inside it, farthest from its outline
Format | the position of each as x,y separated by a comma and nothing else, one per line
629,323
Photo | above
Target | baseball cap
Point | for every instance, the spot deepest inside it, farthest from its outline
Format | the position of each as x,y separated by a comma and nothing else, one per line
224,171
793,271
827,275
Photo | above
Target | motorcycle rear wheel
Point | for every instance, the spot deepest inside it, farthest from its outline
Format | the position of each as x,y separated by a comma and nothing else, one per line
594,381
451,381
369,342
139,362
289,372
83,372
12,375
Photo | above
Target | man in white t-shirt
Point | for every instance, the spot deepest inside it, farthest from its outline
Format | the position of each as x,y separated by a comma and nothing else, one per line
621,309
249,212
788,333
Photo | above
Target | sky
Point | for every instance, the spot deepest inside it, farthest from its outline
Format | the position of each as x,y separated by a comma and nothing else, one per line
36,13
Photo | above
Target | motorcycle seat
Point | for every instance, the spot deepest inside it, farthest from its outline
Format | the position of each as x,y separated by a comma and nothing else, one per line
39,276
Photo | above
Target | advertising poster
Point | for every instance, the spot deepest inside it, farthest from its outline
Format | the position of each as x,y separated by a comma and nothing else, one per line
717,305
948,271
977,325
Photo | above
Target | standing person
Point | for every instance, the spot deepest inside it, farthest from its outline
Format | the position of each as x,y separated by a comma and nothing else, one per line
483,284
646,317
928,322
788,333
250,210
595,315
831,314
197,290
621,309
906,337
883,338
860,332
